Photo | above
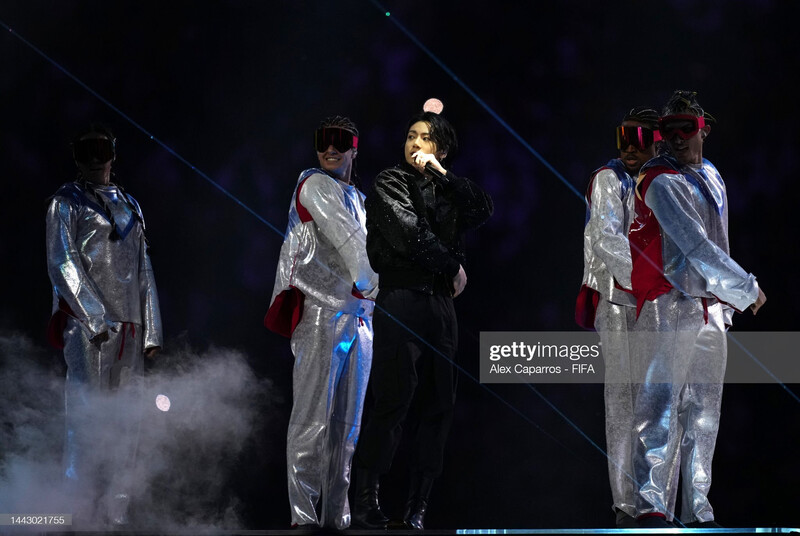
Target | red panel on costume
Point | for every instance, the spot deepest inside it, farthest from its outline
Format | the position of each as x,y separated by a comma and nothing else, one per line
57,325
647,276
586,304
586,307
357,293
302,212
285,312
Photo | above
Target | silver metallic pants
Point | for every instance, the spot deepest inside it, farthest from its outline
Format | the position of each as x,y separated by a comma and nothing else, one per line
103,396
333,356
677,408
612,323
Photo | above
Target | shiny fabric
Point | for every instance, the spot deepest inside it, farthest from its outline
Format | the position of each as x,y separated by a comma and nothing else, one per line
333,356
690,206
103,284
613,323
324,257
606,251
607,266
103,402
100,277
416,225
679,345
677,421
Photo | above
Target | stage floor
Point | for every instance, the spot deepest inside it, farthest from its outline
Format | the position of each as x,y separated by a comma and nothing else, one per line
358,532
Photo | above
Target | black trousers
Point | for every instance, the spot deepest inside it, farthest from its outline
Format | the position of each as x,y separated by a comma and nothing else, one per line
412,371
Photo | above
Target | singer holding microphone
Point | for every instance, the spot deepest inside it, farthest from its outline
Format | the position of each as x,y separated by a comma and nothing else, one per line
416,218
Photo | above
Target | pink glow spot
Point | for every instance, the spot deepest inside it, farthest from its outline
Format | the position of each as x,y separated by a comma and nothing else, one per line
433,105
162,402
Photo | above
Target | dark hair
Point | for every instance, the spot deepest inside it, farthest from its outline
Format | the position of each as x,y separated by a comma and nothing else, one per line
441,131
641,114
339,121
99,128
685,102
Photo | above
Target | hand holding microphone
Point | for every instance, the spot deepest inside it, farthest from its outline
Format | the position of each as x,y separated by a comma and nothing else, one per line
427,163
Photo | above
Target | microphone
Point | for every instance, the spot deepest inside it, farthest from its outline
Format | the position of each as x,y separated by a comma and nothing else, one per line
435,172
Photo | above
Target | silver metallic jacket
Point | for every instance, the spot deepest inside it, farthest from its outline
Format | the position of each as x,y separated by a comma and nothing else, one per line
690,206
325,268
606,251
98,262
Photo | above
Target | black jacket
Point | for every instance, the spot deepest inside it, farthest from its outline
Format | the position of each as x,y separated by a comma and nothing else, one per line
415,227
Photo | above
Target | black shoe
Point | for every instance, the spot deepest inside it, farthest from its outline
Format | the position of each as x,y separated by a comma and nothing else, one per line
414,517
704,525
657,521
419,492
396,524
624,521
365,511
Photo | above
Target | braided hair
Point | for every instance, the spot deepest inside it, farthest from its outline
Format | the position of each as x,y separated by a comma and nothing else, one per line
340,121
685,102
641,114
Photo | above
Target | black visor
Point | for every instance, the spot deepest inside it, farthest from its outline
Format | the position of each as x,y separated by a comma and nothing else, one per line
86,150
640,137
341,139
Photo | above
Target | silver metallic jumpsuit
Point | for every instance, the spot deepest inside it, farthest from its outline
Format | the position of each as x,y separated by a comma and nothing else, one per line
686,285
102,284
606,278
319,300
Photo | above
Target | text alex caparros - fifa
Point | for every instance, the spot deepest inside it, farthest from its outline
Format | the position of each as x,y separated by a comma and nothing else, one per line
540,357
578,357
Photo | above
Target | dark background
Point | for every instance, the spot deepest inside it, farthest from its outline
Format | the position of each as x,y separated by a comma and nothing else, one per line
237,88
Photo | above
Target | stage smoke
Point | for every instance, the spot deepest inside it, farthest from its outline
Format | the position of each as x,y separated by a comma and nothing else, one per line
31,428
189,442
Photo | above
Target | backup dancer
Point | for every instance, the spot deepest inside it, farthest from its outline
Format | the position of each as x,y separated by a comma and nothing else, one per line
106,318
687,287
605,302
323,301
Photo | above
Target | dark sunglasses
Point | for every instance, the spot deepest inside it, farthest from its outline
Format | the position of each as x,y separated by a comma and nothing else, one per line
684,125
640,137
341,139
89,149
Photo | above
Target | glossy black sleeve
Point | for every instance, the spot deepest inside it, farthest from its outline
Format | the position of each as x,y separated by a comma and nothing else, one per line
405,227
475,206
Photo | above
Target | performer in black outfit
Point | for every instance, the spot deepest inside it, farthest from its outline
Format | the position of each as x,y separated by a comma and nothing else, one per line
416,217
